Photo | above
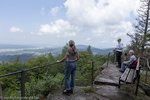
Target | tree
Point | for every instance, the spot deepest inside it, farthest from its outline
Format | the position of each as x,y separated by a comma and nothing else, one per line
140,39
89,50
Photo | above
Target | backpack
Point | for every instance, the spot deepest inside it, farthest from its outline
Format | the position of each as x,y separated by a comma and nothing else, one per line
134,64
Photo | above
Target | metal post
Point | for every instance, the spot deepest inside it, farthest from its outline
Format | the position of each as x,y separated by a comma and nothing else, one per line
138,80
108,59
1,93
92,74
22,85
145,71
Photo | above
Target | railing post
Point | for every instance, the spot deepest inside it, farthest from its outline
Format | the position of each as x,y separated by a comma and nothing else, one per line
1,93
22,85
92,74
138,81
108,59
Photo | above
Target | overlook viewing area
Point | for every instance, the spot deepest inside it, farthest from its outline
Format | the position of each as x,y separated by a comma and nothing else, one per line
104,84
75,50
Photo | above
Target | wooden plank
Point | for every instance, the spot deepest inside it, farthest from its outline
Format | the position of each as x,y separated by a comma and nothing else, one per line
128,75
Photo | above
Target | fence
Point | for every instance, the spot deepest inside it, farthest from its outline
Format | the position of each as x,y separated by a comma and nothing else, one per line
143,66
23,73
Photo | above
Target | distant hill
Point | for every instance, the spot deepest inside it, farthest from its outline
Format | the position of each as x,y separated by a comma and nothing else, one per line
95,50
12,52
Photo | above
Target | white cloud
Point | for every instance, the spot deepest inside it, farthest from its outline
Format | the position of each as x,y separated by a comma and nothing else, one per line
54,11
60,28
99,22
15,29
92,13
106,19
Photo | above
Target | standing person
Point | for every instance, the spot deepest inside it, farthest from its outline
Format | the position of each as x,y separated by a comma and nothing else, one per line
71,57
119,50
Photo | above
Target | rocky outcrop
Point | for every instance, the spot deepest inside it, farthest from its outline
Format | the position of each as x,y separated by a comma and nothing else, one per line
145,88
105,88
79,94
109,76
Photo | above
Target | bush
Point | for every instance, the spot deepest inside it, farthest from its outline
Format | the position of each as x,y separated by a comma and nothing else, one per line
44,86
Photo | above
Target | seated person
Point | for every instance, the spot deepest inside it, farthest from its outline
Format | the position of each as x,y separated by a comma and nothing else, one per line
131,63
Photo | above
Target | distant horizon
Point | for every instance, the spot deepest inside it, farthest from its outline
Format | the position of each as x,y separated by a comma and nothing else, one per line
26,46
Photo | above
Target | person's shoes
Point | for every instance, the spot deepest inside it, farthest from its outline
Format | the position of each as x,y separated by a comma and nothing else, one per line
66,92
70,91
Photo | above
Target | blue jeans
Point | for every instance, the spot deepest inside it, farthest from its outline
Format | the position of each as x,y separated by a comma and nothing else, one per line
124,66
70,75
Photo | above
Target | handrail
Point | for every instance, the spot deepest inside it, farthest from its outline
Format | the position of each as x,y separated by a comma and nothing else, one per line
41,66
26,70
23,72
9,74
22,79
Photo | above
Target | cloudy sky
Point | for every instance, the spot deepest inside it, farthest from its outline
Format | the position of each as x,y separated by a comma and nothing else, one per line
54,22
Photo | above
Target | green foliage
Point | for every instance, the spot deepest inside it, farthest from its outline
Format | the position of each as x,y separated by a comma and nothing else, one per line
89,50
50,77
44,86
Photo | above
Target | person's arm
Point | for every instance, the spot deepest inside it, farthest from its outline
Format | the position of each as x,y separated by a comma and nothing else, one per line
63,59
129,61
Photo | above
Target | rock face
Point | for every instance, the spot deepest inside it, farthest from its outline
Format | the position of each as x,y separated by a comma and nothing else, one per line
109,76
105,88
113,93
79,94
107,82
146,88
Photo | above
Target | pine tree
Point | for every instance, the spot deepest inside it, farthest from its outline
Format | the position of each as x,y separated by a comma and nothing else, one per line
89,50
141,38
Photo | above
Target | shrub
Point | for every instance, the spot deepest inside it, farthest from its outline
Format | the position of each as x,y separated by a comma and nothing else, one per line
44,86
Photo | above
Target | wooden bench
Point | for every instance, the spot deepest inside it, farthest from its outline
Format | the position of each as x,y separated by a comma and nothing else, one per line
130,75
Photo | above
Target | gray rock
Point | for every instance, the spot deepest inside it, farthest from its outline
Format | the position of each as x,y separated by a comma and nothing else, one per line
109,76
145,88
113,93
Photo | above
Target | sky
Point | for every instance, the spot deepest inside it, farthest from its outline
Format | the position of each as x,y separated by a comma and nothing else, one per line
52,23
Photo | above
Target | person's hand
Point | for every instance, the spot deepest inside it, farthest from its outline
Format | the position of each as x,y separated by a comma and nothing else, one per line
58,61
125,62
